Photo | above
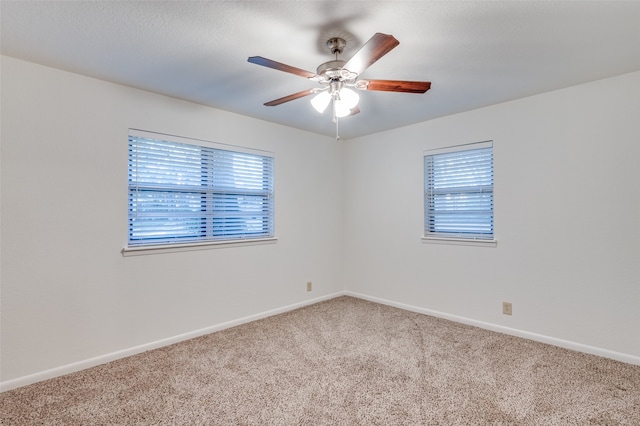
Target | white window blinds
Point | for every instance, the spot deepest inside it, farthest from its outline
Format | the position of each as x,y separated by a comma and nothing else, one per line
458,196
184,193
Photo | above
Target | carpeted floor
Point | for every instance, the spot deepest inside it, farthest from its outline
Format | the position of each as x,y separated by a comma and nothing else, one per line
341,362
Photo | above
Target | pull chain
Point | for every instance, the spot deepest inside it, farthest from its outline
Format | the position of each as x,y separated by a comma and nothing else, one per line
335,119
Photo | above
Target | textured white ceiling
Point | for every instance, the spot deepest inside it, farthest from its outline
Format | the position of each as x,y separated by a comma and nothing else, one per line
474,53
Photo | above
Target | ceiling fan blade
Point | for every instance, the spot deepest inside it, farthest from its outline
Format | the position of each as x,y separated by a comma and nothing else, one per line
291,97
394,86
354,111
374,49
259,60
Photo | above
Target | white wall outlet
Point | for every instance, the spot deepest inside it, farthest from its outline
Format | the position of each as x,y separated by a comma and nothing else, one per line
507,308
309,286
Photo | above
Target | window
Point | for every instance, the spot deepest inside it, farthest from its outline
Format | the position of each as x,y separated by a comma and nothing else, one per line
185,193
458,197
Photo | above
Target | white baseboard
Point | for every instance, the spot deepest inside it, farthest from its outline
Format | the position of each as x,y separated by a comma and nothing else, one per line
103,359
629,359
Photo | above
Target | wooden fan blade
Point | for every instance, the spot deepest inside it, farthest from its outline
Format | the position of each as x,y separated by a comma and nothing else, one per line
291,97
354,111
396,86
259,60
374,49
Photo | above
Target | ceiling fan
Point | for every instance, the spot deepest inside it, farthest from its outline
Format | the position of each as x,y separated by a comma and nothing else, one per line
337,77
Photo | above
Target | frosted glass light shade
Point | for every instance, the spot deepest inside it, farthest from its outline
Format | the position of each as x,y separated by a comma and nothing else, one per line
349,97
321,101
348,100
341,109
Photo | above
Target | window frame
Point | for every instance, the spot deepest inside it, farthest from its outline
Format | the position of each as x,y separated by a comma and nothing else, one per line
457,238
209,241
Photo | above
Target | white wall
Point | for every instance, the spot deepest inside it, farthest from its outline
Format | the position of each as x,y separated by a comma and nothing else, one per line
567,217
67,292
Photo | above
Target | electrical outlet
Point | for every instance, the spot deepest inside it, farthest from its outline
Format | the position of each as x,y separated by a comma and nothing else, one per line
506,308
309,286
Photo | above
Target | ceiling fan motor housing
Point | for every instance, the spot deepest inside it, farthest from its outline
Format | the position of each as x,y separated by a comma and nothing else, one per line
334,70
331,69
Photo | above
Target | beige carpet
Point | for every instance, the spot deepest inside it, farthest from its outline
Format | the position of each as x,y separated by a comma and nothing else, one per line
341,362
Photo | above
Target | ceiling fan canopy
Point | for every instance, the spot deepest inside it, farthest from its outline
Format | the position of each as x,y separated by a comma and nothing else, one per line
337,77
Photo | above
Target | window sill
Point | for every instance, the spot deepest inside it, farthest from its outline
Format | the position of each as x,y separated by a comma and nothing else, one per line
460,241
176,248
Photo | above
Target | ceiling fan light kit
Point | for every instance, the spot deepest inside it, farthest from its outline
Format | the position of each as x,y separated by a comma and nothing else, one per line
338,77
